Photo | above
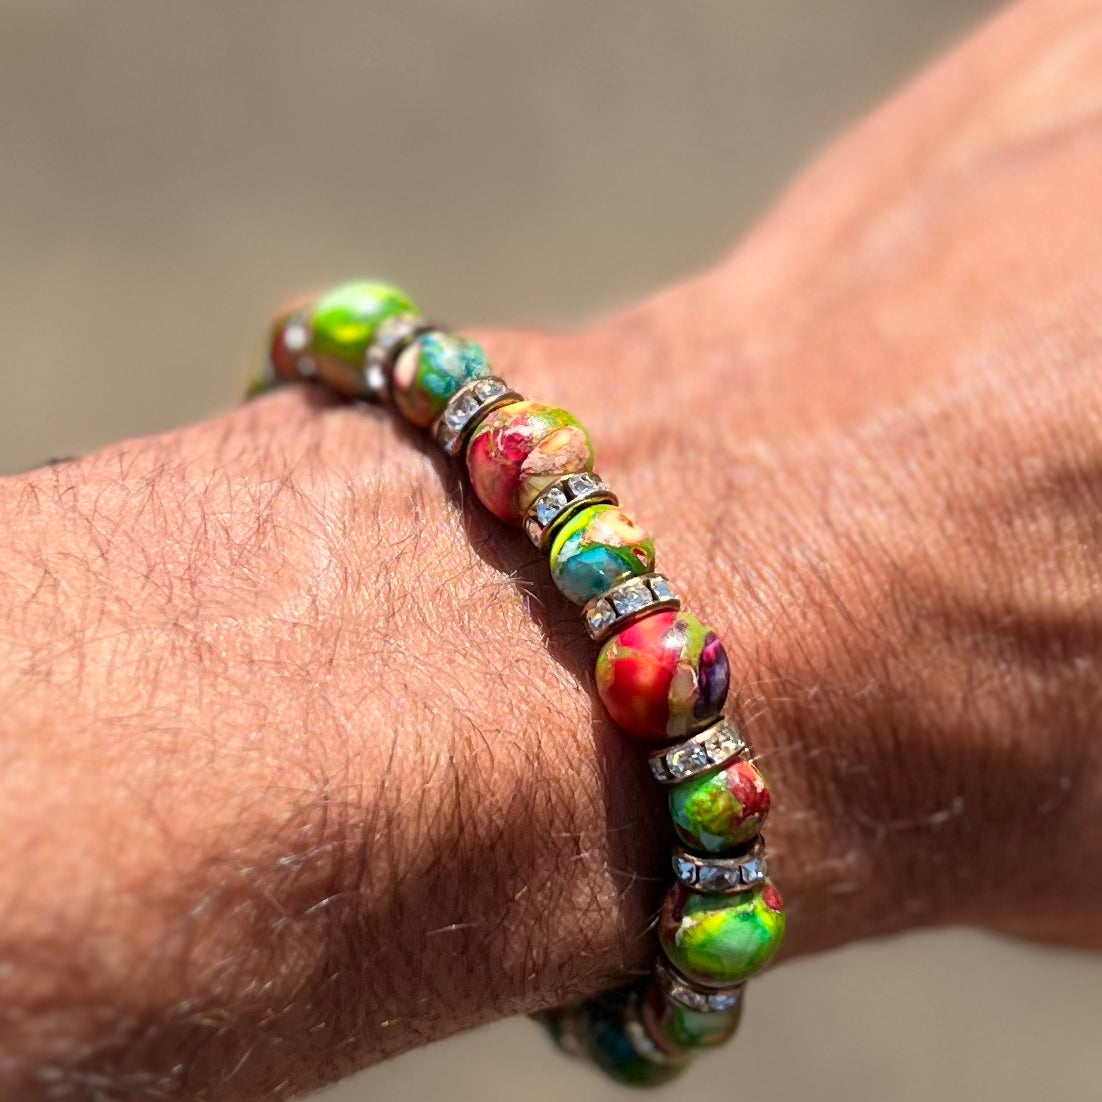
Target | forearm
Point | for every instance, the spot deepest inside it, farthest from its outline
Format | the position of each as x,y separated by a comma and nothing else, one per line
287,756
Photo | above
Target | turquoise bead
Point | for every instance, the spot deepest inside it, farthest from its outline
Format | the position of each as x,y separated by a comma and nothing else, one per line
431,370
595,549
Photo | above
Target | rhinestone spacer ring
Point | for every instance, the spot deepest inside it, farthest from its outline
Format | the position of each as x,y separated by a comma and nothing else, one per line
628,601
466,408
721,875
705,1000
709,749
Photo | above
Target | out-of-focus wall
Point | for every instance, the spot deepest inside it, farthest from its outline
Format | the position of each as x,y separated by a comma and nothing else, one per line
171,172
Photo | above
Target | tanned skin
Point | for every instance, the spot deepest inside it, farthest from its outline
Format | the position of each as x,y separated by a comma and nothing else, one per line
300,760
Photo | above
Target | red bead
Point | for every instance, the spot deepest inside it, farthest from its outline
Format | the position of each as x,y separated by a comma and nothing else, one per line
519,450
664,676
284,355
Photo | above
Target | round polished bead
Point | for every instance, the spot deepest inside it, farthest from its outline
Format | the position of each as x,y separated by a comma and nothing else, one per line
680,1030
721,940
288,340
595,549
720,811
343,321
663,676
620,1046
519,450
430,370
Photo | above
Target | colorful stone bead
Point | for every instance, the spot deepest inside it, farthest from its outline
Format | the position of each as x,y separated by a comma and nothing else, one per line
604,1028
326,339
343,321
664,676
721,940
430,370
595,549
519,450
288,340
679,1030
720,811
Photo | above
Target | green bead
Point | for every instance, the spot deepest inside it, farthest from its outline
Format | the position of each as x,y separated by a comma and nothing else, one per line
721,940
344,320
602,1026
608,1029
596,548
720,811
430,371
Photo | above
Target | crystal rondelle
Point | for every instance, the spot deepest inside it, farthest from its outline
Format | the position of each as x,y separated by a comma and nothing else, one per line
461,411
486,389
550,505
662,588
717,878
599,617
631,598
582,484
685,760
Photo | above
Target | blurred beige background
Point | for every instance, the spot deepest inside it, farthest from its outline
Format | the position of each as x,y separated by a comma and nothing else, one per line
172,171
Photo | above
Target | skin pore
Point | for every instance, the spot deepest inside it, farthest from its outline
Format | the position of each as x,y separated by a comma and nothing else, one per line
300,760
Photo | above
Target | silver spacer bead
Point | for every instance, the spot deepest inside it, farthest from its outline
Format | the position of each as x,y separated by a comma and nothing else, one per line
393,334
709,749
721,875
466,408
703,999
564,496
626,602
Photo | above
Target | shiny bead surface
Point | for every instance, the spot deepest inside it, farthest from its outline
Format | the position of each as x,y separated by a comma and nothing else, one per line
466,409
430,370
288,339
721,811
344,320
720,940
595,549
615,1039
663,676
519,450
678,1029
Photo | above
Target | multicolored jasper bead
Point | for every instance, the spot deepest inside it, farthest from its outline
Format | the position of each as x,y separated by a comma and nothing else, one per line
288,340
596,548
721,940
327,339
605,1028
343,321
663,676
720,811
519,450
679,1029
430,370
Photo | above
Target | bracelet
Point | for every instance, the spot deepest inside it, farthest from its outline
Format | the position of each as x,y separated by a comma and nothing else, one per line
661,673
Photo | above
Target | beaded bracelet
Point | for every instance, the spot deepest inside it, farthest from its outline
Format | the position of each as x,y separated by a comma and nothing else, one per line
661,673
